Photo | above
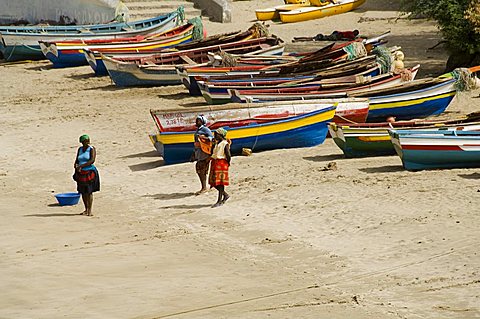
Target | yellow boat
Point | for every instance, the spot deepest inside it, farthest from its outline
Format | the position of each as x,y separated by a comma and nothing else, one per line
309,13
274,12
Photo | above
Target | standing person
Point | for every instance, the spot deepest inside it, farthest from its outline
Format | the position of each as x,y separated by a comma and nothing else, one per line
86,174
219,168
202,149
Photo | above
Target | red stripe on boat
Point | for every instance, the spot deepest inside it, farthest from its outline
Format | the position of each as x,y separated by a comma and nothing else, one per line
432,147
70,51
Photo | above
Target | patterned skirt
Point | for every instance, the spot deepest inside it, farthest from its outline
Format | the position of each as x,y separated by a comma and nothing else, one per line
218,173
90,186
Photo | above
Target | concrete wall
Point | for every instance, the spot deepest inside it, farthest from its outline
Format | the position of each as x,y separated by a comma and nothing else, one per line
35,11
217,10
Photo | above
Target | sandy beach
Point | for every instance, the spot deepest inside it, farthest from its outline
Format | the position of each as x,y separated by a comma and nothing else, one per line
368,240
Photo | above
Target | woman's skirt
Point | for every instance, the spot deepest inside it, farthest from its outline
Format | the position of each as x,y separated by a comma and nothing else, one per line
218,173
91,186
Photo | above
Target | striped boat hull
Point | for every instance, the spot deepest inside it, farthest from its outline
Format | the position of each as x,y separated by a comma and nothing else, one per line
301,131
421,150
25,46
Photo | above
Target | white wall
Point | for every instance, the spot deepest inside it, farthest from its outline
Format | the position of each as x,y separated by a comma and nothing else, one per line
34,11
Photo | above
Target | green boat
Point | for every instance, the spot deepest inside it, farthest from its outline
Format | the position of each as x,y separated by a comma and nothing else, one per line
372,139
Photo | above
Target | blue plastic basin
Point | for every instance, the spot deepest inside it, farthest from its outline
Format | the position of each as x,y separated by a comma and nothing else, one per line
68,199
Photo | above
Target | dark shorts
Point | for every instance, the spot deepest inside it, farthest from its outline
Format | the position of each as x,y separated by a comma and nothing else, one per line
90,187
202,166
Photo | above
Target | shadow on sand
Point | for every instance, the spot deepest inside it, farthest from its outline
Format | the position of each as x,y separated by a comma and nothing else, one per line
324,158
146,166
383,169
81,76
41,67
187,206
170,196
53,215
176,96
470,176
144,154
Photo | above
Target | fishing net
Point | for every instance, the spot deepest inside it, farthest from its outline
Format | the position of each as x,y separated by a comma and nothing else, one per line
465,80
355,50
259,30
228,59
181,13
384,58
197,28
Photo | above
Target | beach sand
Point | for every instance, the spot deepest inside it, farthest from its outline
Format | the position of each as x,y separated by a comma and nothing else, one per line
368,240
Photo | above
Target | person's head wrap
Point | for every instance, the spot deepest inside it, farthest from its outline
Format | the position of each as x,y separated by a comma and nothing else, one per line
84,137
222,132
202,119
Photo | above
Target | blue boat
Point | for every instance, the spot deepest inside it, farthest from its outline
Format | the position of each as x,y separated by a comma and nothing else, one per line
72,53
84,28
215,92
305,130
435,149
417,103
17,46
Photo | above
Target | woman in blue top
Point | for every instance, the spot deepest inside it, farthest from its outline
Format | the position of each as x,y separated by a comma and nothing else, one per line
86,174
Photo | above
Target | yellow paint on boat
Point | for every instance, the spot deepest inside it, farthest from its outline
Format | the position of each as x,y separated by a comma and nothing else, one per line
410,102
274,13
310,13
176,138
375,138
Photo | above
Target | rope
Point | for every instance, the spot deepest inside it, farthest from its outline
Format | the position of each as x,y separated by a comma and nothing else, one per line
197,33
181,13
228,60
259,30
355,50
384,59
465,81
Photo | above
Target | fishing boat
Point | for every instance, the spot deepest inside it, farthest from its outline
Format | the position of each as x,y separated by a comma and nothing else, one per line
316,12
409,100
83,28
191,75
199,50
280,93
299,131
234,115
419,98
161,69
94,58
435,149
372,139
16,46
70,54
216,92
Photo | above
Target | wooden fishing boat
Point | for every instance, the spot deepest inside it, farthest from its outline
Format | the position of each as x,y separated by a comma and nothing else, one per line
309,13
94,58
189,50
328,69
302,93
70,54
372,139
85,28
161,70
234,115
299,131
219,93
16,46
434,149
